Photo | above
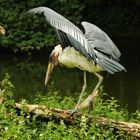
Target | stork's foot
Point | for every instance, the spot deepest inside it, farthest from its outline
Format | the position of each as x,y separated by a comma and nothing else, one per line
89,105
73,111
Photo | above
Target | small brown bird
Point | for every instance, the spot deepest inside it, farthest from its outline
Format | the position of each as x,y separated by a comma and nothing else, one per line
2,30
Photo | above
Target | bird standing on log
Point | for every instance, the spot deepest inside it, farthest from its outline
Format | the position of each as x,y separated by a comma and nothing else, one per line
91,52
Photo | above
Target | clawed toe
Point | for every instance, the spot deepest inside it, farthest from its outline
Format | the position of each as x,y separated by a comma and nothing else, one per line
73,111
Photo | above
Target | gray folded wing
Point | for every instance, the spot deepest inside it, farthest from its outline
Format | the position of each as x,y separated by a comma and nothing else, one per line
105,50
100,40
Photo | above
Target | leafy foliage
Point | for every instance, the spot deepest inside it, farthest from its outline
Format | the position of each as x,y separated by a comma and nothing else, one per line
26,32
22,125
120,19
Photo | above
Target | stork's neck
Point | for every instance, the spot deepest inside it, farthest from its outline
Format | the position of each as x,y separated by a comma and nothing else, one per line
58,49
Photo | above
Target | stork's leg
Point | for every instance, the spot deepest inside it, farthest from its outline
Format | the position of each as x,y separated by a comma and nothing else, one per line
94,91
88,101
100,77
81,94
84,86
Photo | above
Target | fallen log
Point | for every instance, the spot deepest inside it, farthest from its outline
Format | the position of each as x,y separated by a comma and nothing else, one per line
130,128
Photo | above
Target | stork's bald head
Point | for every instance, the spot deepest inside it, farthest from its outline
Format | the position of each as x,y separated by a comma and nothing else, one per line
53,61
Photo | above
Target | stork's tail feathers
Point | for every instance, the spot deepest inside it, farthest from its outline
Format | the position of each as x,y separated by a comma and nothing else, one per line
110,65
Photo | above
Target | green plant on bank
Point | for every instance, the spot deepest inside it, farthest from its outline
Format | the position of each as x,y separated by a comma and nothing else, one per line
21,125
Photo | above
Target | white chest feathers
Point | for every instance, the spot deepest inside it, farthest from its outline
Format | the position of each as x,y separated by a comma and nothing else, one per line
72,58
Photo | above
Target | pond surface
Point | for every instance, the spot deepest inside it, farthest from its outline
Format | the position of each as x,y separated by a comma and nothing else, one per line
28,73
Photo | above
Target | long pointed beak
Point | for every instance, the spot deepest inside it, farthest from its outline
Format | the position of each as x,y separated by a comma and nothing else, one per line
50,68
2,30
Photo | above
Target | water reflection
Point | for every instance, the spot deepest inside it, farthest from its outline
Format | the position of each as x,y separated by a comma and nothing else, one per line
27,74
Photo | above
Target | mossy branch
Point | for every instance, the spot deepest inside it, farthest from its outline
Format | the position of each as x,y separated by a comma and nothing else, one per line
132,129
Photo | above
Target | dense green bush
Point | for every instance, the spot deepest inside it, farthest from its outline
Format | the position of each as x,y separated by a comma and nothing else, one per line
120,19
26,32
20,125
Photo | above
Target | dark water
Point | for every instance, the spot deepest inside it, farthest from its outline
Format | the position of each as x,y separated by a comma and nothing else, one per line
28,73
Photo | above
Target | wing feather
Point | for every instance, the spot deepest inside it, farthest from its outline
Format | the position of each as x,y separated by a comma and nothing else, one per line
64,41
99,40
105,50
73,33
95,44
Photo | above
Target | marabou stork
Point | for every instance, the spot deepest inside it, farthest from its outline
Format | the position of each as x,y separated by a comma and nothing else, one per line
93,51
